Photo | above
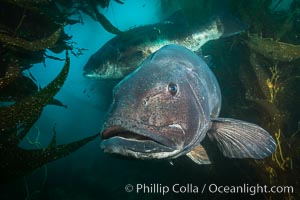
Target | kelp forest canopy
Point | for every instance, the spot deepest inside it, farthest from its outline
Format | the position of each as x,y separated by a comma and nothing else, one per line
258,72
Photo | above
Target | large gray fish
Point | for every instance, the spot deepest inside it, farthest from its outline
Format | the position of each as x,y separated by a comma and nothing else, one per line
166,107
122,54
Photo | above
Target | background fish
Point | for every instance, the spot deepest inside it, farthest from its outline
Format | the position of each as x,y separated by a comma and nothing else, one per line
166,107
122,54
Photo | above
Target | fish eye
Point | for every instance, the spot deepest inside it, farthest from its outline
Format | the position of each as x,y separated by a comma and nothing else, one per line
172,88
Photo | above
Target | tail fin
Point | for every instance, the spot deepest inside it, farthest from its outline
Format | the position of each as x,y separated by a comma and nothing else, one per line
231,25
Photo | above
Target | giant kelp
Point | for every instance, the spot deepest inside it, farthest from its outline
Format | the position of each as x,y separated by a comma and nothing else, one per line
17,119
267,67
272,80
24,37
275,50
31,45
36,25
259,75
268,91
11,74
28,110
90,8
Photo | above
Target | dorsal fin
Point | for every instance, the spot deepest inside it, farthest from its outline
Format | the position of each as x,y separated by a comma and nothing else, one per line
177,17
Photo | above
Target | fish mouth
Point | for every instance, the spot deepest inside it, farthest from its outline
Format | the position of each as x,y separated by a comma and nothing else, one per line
123,133
137,142
94,71
92,74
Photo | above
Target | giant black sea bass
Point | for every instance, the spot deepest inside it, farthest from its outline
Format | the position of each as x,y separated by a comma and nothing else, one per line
122,54
166,107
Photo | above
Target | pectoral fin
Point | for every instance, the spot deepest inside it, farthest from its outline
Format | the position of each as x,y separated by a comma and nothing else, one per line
199,155
239,139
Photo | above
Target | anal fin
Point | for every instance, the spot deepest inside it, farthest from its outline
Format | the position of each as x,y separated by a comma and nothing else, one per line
199,155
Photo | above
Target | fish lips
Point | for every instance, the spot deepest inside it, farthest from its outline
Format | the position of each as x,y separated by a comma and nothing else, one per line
129,138
91,74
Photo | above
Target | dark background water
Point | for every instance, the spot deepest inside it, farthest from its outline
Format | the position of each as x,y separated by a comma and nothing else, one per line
90,174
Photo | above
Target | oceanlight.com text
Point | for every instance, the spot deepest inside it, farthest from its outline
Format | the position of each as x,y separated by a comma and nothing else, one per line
189,188
249,189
